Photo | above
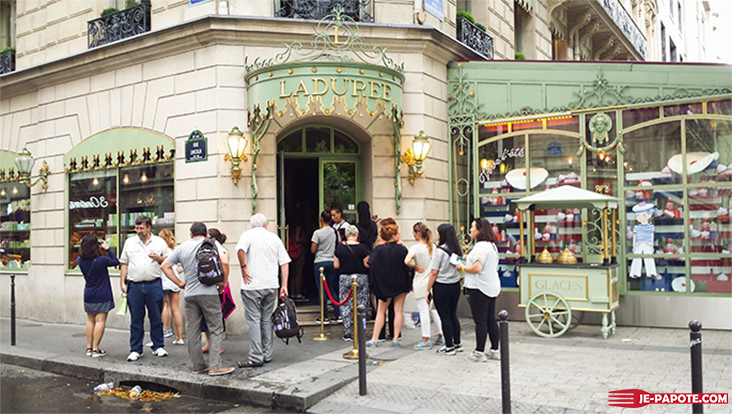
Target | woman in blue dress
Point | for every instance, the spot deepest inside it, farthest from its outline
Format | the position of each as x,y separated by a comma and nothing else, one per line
94,259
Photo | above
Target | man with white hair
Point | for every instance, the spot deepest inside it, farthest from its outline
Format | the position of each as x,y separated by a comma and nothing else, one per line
261,254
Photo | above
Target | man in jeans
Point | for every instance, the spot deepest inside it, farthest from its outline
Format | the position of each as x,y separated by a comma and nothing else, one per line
202,301
322,245
261,255
140,268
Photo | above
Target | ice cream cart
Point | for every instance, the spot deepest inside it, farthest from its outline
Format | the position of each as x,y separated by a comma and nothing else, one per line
553,288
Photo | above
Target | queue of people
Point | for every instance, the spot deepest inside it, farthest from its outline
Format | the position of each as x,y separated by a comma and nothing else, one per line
153,271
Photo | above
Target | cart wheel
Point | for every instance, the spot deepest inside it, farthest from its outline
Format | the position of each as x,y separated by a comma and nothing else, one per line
548,314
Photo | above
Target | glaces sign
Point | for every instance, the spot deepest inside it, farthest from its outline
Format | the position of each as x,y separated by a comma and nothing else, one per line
93,202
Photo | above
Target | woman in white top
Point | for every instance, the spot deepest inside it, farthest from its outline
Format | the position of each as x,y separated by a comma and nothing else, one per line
419,258
483,286
171,300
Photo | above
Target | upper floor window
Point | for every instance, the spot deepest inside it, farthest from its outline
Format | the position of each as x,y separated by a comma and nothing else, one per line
7,36
358,10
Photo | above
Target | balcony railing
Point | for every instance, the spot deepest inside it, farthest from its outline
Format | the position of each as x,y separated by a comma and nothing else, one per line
472,36
7,61
358,10
120,25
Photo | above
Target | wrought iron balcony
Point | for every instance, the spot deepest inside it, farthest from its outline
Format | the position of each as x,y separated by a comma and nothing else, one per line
358,10
120,25
7,61
472,36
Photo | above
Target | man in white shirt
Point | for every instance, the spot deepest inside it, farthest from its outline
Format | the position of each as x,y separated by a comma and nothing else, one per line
261,256
202,301
140,279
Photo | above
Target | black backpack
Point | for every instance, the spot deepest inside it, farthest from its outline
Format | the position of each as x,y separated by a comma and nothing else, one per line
209,263
284,321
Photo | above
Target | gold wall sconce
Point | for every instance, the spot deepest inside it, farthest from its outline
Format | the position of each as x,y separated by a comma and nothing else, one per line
24,161
235,146
416,154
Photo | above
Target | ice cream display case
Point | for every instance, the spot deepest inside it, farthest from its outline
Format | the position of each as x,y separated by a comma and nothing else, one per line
555,288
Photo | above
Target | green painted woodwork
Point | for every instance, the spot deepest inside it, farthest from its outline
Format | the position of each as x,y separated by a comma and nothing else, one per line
8,170
510,92
103,150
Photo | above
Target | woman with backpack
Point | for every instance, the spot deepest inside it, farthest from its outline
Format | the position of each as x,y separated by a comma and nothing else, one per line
444,286
351,259
483,286
94,259
419,258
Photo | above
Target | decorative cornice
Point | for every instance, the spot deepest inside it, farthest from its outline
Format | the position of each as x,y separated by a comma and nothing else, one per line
109,160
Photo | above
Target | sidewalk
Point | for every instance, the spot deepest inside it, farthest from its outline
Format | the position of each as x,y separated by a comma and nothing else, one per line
572,373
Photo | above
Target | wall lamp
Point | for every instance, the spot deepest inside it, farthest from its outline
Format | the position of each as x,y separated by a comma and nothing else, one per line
24,161
235,145
416,154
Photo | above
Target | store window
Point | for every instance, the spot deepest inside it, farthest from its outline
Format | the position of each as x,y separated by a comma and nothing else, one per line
647,154
106,203
15,223
708,150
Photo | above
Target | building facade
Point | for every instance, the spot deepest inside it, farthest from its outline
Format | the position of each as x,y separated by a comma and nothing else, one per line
128,114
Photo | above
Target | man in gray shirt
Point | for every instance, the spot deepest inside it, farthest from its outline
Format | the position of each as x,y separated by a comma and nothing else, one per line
202,301
322,246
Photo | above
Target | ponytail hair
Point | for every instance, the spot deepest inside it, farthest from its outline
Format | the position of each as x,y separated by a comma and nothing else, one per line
424,233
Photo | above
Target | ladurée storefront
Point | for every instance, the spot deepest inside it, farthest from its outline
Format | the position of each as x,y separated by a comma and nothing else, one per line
658,137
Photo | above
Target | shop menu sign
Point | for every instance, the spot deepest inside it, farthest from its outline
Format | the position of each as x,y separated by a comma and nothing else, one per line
196,147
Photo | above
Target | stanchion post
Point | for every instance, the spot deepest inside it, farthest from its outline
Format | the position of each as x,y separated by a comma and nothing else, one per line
322,336
12,310
696,362
505,376
361,340
353,354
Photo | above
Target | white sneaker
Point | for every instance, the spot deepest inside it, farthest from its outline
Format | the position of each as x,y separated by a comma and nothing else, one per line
160,352
178,342
134,356
476,356
494,354
167,333
149,344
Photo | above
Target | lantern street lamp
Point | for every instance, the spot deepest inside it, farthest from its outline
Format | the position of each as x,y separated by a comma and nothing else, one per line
416,154
24,161
235,145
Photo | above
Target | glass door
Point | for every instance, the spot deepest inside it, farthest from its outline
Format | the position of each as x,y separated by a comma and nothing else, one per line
339,184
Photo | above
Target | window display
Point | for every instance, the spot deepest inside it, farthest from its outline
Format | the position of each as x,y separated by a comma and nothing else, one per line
14,225
647,152
107,202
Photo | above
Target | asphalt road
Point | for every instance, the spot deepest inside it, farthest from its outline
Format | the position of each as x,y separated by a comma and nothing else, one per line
24,390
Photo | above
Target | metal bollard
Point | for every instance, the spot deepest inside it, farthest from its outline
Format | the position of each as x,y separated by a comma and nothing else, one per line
353,354
322,336
361,339
695,345
505,376
12,310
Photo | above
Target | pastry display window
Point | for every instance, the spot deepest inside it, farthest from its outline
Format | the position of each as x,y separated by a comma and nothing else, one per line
15,221
107,202
647,154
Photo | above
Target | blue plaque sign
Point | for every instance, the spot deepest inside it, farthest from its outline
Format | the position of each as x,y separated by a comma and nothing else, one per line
554,148
435,8
196,147
197,2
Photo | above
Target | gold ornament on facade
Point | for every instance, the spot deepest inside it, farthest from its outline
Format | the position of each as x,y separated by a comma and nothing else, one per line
289,71
566,257
545,257
314,69
361,71
339,69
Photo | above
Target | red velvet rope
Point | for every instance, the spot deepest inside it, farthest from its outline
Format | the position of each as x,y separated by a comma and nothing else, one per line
327,290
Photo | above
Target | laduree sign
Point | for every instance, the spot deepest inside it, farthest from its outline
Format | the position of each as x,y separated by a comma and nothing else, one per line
329,88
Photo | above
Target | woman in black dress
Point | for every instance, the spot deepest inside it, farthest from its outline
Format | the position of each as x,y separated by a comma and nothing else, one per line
390,280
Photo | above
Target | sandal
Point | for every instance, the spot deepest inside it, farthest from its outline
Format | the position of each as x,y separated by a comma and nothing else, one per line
88,352
97,353
249,364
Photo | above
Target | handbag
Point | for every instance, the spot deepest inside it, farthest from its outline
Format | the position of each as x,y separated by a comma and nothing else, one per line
122,308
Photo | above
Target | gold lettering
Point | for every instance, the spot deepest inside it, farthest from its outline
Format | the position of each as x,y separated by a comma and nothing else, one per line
316,81
376,89
356,88
387,91
282,90
333,86
301,87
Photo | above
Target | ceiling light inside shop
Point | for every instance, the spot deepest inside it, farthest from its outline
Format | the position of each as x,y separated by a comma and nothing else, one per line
2,192
95,181
15,190
126,180
143,177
